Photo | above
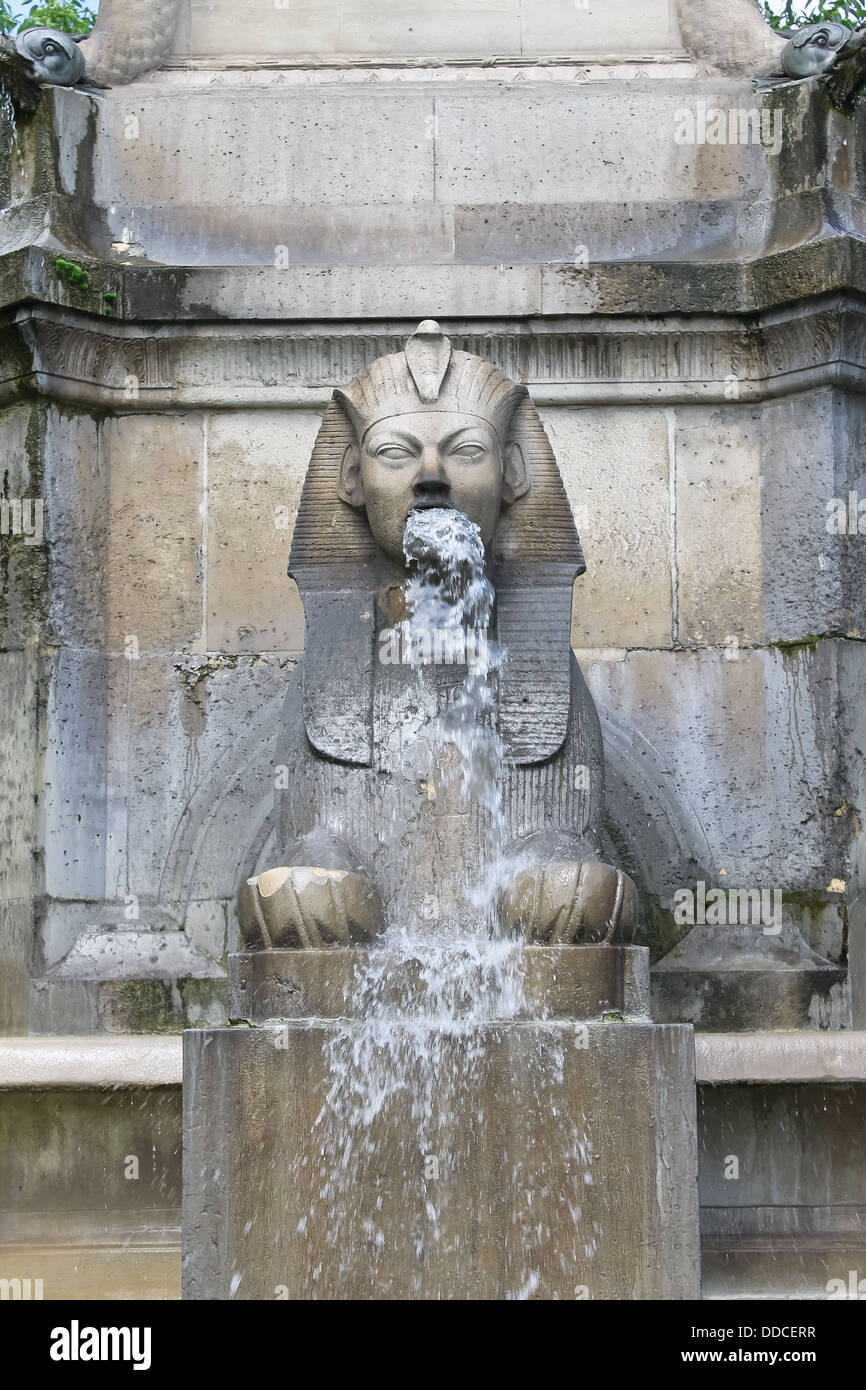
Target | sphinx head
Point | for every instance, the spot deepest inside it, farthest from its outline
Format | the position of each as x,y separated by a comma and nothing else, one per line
55,57
431,428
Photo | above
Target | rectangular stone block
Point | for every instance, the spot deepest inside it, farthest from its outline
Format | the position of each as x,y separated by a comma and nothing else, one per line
615,468
851,478
256,468
561,232
357,292
404,27
16,945
555,982
616,27
23,527
444,28
18,771
75,1210
781,1220
718,527
153,540
525,146
494,1199
78,812
293,235
77,501
804,451
225,147
752,745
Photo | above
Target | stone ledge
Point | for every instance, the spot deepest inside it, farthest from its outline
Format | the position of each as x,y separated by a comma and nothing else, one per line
376,292
79,1063
732,1058
254,70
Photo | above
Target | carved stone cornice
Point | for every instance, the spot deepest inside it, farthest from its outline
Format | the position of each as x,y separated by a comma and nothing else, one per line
79,359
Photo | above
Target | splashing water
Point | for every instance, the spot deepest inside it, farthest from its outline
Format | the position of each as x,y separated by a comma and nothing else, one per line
408,1074
448,593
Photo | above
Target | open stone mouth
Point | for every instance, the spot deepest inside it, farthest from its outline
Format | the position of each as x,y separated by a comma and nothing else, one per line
426,504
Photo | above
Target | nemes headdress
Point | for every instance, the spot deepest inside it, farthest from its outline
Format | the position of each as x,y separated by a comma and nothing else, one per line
430,375
334,557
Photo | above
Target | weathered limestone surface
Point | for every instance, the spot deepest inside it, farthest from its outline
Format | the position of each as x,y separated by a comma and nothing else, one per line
513,1195
556,982
748,740
197,565
22,580
403,28
83,1141
790,1218
17,758
75,1212
487,168
616,470
687,316
256,468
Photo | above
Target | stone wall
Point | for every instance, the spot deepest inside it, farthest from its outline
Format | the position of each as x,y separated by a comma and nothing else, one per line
688,318
395,29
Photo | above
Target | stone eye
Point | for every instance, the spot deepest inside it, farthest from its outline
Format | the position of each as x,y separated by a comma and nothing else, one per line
395,453
49,48
469,451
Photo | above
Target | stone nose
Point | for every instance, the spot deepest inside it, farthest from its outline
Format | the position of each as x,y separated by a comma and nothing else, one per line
431,478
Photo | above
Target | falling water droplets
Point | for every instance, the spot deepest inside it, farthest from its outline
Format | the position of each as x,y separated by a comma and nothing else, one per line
407,1067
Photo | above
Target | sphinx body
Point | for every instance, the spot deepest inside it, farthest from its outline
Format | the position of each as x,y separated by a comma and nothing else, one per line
377,820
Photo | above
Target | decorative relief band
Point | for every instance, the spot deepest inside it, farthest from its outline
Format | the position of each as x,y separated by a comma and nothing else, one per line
71,356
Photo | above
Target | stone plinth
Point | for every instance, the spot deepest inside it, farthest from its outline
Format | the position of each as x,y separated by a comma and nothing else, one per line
509,1181
219,31
557,982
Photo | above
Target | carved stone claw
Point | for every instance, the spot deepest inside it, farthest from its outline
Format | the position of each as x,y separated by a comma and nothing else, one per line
571,903
308,907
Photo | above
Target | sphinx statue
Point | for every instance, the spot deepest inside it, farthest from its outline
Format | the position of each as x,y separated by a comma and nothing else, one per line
374,826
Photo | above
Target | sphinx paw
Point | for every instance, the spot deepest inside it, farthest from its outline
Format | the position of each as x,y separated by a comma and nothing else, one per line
308,907
568,902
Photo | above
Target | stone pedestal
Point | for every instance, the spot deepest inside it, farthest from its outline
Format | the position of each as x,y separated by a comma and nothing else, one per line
534,1156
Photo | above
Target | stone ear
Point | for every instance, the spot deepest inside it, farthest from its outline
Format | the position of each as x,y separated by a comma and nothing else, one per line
350,487
515,481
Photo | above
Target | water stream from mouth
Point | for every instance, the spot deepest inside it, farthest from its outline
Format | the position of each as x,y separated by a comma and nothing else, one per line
409,1069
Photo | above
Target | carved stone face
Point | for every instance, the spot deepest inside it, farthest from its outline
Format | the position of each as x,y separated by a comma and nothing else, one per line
430,459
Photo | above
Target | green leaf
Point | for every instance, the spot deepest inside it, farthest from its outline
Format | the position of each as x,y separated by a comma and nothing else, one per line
69,16
795,14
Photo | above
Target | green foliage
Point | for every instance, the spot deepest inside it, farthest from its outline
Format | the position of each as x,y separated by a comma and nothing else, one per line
77,278
69,16
73,274
794,14
7,18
